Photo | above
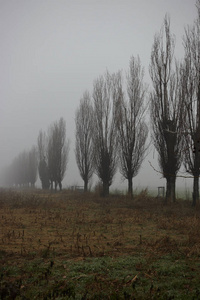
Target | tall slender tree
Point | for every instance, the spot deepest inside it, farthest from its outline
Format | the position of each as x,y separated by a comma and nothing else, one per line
84,146
43,166
132,129
105,129
32,166
166,107
63,151
191,95
57,153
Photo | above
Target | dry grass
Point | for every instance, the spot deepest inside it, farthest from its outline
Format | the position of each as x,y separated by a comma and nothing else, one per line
73,244
85,225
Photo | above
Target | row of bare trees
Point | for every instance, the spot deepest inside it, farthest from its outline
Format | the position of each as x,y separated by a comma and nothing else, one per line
110,127
111,131
49,159
22,172
175,105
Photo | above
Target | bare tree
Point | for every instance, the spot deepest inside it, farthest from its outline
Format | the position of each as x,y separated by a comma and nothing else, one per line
57,153
32,166
51,156
167,109
104,130
43,166
63,151
21,168
42,144
191,95
84,146
132,129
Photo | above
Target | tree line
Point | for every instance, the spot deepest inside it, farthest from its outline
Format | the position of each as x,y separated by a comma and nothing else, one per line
111,128
118,129
175,105
48,159
23,169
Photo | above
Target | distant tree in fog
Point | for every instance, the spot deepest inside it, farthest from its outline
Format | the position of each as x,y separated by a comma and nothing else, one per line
57,153
7,176
22,168
32,166
42,166
22,172
105,130
84,147
42,144
132,129
44,174
53,152
166,107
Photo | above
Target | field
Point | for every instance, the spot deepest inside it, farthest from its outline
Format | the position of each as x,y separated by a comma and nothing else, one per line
74,246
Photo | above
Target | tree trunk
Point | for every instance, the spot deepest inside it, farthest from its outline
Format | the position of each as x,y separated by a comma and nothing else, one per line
105,189
56,186
171,189
85,186
195,194
60,185
130,186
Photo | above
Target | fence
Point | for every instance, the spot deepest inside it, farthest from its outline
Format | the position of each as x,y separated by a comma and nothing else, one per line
78,188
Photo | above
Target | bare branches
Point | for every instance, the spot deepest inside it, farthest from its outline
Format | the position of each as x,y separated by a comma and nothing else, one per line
167,109
132,130
53,154
58,149
84,147
104,133
190,76
172,175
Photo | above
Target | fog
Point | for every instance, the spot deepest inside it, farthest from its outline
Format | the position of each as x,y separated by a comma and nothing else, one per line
51,52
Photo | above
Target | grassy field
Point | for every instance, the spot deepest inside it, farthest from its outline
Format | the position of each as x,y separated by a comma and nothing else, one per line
76,246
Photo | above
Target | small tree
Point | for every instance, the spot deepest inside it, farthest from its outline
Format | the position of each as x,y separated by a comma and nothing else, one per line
84,146
105,130
132,130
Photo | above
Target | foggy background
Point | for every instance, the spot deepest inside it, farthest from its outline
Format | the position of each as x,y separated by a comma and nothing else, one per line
51,52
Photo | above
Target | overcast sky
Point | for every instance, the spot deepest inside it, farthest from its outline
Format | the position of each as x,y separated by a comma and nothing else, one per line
51,52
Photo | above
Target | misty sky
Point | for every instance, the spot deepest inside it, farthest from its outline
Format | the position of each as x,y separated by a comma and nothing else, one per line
52,50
